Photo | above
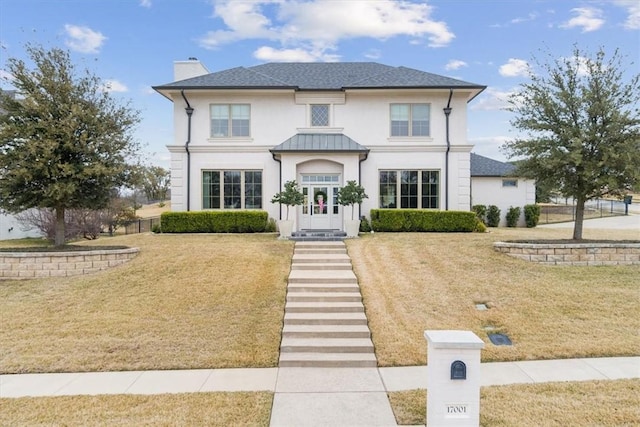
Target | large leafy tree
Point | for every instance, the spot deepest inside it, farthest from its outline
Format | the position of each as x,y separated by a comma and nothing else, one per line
65,143
155,181
580,122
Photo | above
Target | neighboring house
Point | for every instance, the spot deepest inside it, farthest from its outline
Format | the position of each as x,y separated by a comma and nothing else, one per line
241,133
493,183
10,227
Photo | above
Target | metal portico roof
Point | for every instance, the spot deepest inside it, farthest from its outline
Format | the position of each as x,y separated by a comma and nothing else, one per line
320,142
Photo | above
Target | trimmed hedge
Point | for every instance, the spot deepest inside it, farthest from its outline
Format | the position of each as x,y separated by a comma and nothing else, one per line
531,215
214,222
422,220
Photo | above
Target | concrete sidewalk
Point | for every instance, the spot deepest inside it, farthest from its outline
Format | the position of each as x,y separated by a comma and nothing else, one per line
624,222
287,381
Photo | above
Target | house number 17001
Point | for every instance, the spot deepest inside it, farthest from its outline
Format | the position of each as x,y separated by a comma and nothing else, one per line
456,409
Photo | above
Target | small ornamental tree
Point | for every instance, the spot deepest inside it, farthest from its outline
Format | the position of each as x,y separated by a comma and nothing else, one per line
290,196
579,118
64,144
351,194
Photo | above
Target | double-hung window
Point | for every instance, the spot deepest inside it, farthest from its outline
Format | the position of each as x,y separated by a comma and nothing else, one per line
230,120
409,189
410,119
232,189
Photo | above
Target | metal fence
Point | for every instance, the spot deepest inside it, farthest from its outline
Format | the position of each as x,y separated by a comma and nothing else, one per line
142,225
561,210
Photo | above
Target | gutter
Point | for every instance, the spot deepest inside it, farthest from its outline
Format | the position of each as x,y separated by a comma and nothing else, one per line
447,112
189,111
279,180
366,156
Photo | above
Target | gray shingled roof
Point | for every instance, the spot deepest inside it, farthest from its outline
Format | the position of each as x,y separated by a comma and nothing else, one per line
320,142
484,166
320,76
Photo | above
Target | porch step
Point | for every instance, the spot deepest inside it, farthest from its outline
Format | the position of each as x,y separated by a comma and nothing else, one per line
324,297
328,360
322,287
335,318
322,276
310,258
326,345
318,235
321,266
324,307
326,331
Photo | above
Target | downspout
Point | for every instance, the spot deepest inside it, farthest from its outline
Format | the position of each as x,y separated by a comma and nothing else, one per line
279,180
189,111
447,112
366,156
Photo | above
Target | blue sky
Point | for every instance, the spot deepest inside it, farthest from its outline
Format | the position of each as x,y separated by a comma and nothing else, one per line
133,43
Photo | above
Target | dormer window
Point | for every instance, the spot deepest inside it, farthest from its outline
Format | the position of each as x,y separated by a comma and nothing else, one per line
319,115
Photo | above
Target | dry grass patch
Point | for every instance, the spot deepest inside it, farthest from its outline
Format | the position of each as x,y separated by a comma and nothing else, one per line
589,403
186,301
194,409
415,282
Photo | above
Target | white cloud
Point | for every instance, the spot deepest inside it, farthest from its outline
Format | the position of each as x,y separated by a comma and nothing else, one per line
492,99
514,68
455,64
373,54
319,25
530,17
587,18
266,53
633,9
489,146
83,39
114,86
145,3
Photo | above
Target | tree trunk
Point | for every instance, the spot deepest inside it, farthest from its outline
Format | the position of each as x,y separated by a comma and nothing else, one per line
577,228
59,240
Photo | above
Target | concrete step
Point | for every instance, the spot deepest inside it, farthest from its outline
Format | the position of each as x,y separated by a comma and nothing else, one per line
321,258
321,266
322,287
326,331
326,345
328,360
320,251
353,318
324,307
322,276
322,245
324,296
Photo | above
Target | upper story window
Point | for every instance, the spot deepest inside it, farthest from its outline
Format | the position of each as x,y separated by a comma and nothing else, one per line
320,115
410,119
509,182
230,120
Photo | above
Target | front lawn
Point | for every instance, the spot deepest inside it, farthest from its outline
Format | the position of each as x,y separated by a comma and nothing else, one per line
186,301
412,282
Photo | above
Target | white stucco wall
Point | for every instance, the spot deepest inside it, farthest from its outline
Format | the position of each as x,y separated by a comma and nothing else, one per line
277,115
489,191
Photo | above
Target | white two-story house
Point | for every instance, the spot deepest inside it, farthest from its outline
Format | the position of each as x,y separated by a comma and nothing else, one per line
241,133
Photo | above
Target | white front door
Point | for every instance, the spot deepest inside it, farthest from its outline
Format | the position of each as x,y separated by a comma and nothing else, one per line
320,210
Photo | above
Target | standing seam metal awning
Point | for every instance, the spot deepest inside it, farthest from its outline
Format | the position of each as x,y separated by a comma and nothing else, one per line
323,142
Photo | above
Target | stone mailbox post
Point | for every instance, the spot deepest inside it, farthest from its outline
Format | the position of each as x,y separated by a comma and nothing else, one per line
453,378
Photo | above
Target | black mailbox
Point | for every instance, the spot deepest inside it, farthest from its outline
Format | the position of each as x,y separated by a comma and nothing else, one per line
627,200
458,370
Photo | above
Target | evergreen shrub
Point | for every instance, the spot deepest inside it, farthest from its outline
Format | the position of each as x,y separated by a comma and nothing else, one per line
419,220
214,222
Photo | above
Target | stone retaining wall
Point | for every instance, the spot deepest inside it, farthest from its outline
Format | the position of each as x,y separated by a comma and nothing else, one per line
573,253
31,265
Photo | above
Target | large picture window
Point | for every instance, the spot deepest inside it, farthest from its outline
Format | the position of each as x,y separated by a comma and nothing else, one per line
409,189
410,119
230,120
232,189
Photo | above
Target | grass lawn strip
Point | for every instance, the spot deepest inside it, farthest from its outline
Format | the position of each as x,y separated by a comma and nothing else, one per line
193,409
412,282
589,403
185,302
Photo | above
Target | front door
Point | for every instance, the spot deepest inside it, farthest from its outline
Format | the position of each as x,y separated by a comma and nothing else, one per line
320,210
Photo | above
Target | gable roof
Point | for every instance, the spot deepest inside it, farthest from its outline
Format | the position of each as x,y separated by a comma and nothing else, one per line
321,76
484,166
315,142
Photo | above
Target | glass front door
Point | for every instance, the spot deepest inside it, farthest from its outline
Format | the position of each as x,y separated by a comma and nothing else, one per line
320,210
